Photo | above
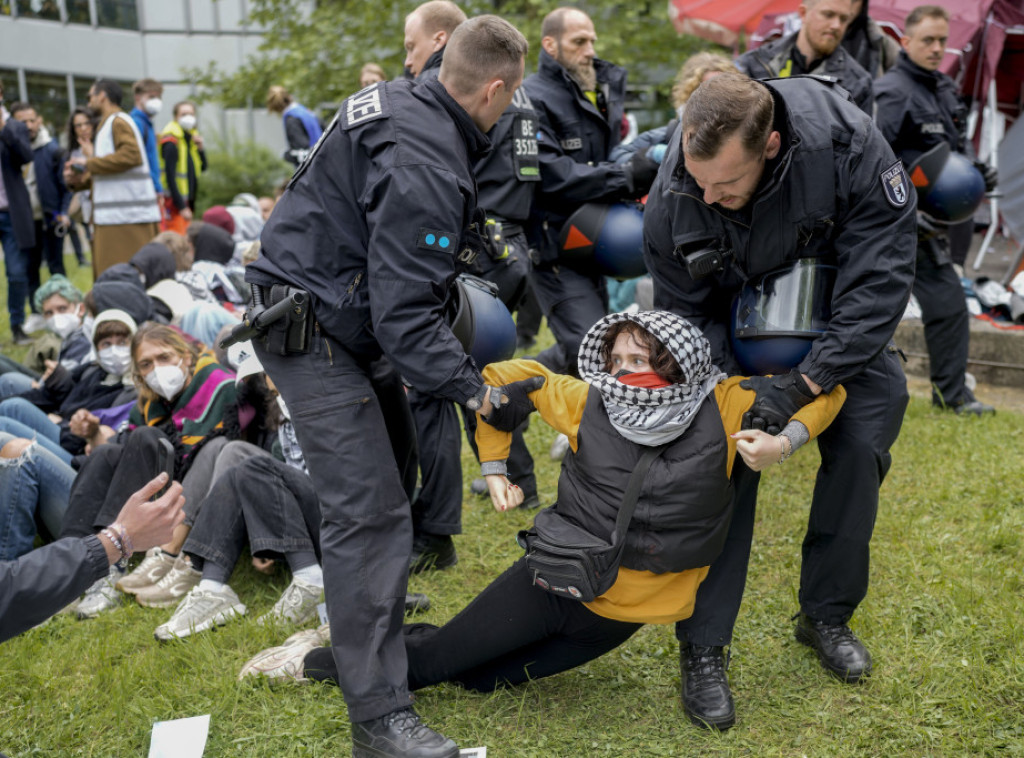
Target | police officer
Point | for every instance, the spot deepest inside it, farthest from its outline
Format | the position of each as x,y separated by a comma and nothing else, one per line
579,101
505,192
370,226
814,49
765,175
918,108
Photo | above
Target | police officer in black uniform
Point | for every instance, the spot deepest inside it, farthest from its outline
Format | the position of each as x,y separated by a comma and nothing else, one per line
505,181
760,175
579,100
918,108
814,49
370,226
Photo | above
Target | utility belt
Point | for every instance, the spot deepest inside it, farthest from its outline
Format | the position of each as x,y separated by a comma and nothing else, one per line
281,317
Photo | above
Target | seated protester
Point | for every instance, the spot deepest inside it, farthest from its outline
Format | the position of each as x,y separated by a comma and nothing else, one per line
184,399
648,382
60,302
214,251
34,487
39,584
46,412
117,295
184,257
274,508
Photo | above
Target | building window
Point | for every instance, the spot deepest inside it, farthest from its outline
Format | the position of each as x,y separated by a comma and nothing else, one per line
45,9
118,14
78,11
48,93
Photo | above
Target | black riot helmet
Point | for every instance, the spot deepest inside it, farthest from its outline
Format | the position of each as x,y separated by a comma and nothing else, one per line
607,236
480,321
777,315
949,187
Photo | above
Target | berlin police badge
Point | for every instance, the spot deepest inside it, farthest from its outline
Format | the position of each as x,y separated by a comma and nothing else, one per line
896,185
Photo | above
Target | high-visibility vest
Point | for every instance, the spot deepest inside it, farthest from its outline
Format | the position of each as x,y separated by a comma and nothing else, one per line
126,197
173,131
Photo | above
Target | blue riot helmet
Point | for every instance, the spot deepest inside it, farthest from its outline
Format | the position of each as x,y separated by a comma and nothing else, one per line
480,321
778,315
606,236
949,187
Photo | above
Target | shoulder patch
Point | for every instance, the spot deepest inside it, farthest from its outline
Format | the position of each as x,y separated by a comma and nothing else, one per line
896,186
368,104
434,239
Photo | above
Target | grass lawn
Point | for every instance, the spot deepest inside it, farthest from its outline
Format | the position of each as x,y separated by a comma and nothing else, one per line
943,620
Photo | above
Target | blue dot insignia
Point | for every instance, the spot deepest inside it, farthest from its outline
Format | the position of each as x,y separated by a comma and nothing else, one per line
433,239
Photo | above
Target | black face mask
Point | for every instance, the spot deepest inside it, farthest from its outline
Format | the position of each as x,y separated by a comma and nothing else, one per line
621,373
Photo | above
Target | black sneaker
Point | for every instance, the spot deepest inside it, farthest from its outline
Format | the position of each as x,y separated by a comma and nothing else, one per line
18,336
432,551
400,735
707,698
839,650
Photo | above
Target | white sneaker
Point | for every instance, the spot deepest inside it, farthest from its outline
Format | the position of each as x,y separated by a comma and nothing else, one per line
174,585
284,662
153,568
199,611
33,323
100,597
297,603
559,447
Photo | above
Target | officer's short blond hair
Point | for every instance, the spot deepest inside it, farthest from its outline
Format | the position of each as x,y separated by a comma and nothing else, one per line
439,16
480,50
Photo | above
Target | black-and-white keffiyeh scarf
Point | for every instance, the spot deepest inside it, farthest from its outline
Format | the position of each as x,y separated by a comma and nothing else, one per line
652,416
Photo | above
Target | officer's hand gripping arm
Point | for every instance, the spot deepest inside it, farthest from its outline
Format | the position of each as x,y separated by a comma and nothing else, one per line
511,404
778,398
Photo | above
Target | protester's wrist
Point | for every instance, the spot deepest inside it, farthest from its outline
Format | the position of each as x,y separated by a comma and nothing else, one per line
118,536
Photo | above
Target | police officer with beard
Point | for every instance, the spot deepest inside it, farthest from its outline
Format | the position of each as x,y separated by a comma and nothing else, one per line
505,181
579,101
814,49
370,227
918,108
763,175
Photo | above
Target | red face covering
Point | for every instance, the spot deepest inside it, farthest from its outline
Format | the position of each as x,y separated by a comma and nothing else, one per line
646,379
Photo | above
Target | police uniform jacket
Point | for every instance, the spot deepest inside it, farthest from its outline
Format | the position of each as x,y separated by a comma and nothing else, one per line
371,224
575,139
858,215
919,109
507,175
772,59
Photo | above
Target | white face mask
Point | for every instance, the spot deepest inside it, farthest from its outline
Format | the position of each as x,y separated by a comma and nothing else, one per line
115,359
188,123
283,407
62,324
166,381
153,106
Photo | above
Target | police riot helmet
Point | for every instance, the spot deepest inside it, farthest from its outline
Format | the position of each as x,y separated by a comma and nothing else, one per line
778,315
949,187
480,321
607,236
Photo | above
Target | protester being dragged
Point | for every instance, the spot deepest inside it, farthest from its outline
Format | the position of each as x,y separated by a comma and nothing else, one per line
650,401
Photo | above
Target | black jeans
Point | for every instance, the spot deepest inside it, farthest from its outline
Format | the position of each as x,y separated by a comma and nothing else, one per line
261,498
510,633
946,328
350,423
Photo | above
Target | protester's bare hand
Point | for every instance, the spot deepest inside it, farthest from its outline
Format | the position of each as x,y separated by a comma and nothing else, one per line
150,523
758,449
263,565
51,366
504,494
84,424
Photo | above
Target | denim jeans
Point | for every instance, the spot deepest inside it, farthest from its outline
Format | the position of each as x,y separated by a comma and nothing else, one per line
36,482
14,383
48,439
16,266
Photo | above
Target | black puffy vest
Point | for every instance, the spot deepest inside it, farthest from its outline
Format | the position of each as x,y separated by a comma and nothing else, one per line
683,512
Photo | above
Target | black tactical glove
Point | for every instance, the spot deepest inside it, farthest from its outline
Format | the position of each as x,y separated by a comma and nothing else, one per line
778,398
989,173
929,226
511,404
641,170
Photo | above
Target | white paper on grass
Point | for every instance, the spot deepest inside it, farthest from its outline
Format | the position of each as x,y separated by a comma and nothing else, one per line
180,738
473,752
321,611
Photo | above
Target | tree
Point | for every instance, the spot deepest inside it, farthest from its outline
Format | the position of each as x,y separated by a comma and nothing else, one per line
316,49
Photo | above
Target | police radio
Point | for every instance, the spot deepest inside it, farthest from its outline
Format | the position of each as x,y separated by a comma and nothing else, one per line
704,262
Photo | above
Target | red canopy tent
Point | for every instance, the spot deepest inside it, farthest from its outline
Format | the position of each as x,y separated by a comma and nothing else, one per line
722,21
